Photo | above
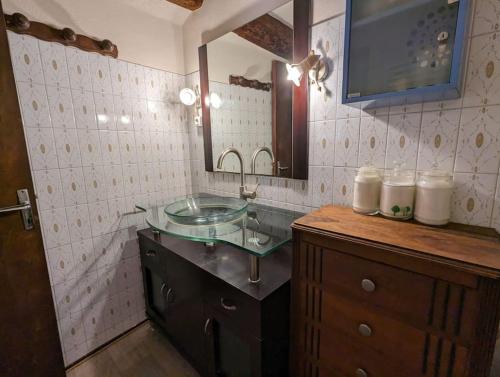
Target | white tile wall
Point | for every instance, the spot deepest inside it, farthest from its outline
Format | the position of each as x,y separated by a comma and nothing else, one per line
461,136
97,137
244,121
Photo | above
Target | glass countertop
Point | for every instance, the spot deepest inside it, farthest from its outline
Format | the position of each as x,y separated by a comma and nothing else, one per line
259,231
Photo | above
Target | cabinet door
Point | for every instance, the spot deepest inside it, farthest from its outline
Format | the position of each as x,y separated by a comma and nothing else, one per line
184,307
230,351
155,287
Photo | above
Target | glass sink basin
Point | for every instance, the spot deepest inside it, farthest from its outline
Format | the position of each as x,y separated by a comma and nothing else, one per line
206,210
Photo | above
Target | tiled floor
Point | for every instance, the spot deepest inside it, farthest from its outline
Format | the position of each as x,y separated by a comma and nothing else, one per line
146,352
143,352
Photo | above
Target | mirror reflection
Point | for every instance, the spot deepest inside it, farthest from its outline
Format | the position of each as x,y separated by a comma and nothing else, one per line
250,96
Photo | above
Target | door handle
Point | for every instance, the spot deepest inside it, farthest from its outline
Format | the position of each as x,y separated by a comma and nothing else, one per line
24,207
207,324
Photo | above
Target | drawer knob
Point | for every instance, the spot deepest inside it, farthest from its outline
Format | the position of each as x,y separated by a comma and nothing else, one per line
368,285
365,330
361,373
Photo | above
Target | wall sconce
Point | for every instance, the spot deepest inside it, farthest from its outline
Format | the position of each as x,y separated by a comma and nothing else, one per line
190,97
314,65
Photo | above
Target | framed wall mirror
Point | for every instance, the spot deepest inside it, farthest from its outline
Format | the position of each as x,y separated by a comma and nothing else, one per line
247,101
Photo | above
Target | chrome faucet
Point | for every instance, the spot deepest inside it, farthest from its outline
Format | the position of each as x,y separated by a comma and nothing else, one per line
244,192
256,153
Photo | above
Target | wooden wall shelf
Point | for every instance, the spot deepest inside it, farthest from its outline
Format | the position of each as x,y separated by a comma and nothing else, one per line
246,83
20,24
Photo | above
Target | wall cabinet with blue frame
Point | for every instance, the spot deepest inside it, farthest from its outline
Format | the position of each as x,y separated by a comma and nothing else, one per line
407,50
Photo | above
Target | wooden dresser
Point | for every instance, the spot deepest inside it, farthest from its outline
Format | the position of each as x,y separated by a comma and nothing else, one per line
378,298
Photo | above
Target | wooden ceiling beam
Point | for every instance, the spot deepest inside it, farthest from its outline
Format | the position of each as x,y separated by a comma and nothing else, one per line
269,33
188,4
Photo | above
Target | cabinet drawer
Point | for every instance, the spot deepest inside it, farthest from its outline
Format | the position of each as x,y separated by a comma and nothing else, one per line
354,336
237,307
404,293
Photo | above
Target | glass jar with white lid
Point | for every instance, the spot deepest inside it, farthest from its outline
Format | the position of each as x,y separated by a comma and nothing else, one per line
433,197
398,194
366,197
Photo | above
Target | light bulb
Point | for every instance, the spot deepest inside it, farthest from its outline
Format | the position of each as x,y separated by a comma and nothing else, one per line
187,96
294,73
215,100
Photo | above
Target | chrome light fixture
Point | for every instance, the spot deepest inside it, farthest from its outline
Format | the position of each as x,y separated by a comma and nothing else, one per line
190,97
313,65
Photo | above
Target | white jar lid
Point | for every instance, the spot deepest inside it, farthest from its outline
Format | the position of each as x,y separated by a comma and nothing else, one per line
368,173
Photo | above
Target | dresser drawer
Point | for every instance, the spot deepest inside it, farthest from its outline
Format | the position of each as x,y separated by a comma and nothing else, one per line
238,308
403,293
354,336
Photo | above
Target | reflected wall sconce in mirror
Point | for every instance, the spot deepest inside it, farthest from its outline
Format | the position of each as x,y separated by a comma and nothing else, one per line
190,97
314,65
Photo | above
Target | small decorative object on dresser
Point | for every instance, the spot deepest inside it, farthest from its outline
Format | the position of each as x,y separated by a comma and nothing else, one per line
433,197
398,194
372,297
367,191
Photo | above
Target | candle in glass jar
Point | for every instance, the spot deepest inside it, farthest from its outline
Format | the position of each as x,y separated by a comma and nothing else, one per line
433,197
398,194
367,191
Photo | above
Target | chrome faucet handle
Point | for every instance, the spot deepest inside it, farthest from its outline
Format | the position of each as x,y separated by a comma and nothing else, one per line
248,193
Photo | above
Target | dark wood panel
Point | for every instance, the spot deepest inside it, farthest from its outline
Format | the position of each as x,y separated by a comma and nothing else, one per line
29,338
205,108
18,23
477,253
282,99
269,33
245,83
301,20
188,4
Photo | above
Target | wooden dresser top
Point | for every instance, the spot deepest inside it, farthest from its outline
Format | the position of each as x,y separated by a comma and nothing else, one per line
478,251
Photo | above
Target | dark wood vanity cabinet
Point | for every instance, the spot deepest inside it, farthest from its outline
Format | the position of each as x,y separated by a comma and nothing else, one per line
377,298
223,324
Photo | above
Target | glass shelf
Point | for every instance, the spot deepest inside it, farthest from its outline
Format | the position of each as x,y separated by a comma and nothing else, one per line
259,231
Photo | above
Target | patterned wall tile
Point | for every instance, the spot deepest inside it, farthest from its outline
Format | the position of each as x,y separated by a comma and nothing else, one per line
78,222
478,148
68,150
99,73
78,68
322,178
347,142
42,149
34,105
61,107
372,141
54,64
48,189
473,197
55,227
90,147
26,59
486,17
483,75
73,186
343,184
322,149
84,109
438,140
402,140
119,77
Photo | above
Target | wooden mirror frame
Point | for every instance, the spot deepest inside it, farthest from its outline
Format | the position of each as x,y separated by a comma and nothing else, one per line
300,152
